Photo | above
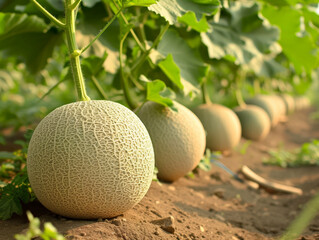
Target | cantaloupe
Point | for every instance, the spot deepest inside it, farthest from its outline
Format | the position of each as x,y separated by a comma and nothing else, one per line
302,102
178,139
254,121
269,105
289,103
90,159
280,105
221,124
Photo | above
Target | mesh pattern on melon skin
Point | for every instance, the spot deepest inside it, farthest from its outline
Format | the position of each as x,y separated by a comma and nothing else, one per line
90,160
178,139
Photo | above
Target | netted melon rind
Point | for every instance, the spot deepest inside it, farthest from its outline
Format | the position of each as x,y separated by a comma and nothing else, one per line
90,159
178,139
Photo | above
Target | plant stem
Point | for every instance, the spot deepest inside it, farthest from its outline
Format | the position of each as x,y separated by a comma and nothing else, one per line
131,30
146,53
57,22
206,99
239,98
256,86
75,4
136,83
102,31
51,89
99,87
239,77
74,52
130,101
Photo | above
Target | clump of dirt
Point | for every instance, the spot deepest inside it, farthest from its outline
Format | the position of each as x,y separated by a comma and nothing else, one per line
212,205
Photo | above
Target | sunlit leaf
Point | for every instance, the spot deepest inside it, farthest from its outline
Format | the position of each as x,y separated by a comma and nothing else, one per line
171,10
192,68
190,19
142,3
298,47
240,33
154,89
171,70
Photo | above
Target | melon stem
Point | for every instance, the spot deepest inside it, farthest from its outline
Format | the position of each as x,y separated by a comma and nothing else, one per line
256,86
239,78
124,81
239,98
70,16
206,98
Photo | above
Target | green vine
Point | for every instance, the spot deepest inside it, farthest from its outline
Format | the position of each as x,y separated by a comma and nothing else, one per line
70,8
124,81
70,16
205,96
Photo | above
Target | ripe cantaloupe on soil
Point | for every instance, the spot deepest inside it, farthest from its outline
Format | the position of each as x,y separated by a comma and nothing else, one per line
254,121
289,103
221,124
302,102
178,139
90,159
281,106
269,105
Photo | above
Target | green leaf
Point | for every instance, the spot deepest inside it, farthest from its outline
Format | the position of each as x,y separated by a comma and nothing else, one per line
92,21
7,155
93,64
153,93
191,66
12,24
2,140
171,70
25,37
90,3
240,33
171,10
141,3
299,47
190,19
9,204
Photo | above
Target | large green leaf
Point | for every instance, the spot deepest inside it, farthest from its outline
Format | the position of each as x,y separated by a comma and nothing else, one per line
190,19
171,70
154,90
192,68
240,34
142,3
171,10
282,3
32,48
26,37
298,46
12,24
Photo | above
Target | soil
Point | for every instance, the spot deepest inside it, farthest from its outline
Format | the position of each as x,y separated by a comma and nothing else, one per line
212,205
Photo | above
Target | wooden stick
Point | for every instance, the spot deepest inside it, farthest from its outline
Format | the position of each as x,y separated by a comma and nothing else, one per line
248,173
